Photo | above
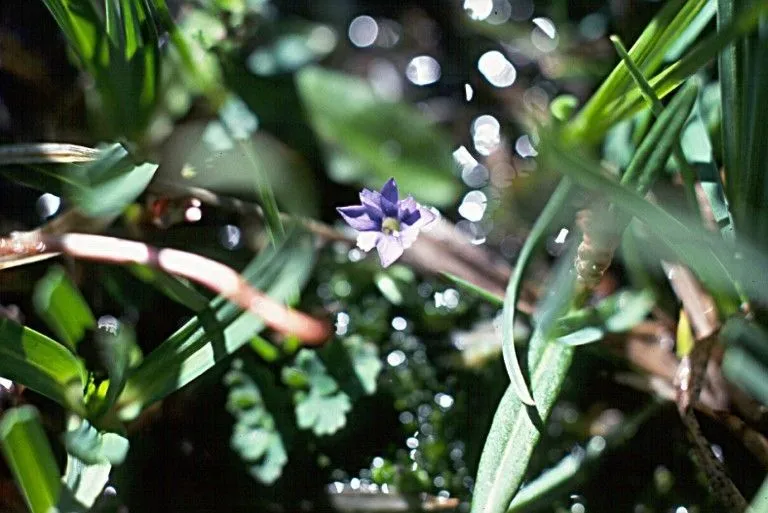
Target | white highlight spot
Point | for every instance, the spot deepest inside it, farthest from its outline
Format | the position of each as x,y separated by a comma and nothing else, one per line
423,70
363,31
497,69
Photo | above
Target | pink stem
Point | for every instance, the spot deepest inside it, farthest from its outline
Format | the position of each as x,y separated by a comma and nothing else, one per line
208,273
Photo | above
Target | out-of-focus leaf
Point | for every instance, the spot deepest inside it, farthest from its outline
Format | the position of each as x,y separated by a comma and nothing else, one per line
30,458
255,437
100,188
42,364
115,343
84,484
216,333
297,44
760,500
120,49
489,297
365,361
692,31
388,138
195,156
58,301
324,407
684,340
173,287
86,443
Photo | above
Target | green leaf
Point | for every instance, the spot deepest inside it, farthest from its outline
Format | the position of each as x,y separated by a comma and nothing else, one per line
218,331
84,484
121,51
365,361
59,303
86,443
537,235
30,458
205,155
173,287
296,45
471,287
390,139
324,407
115,345
515,430
256,437
42,364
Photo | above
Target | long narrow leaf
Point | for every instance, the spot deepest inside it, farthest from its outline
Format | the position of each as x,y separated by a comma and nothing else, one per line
535,238
42,364
30,458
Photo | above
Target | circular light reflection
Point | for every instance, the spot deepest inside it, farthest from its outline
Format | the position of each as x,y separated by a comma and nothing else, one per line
544,36
486,134
423,70
473,206
363,31
478,9
497,69
524,147
47,205
230,236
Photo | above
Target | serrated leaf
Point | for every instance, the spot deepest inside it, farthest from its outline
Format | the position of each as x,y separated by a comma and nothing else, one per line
92,447
365,361
390,139
58,301
30,458
324,414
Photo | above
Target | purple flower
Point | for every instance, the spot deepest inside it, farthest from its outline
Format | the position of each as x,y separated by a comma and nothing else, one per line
384,222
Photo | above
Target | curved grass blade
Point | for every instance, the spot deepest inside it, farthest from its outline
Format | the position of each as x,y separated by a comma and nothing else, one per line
532,243
30,458
217,332
516,428
61,305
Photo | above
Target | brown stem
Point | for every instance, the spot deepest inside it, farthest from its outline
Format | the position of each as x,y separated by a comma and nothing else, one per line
208,273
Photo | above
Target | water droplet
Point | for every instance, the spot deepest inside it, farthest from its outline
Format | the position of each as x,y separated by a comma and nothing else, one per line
399,323
193,214
378,461
449,298
405,417
486,134
423,70
230,236
473,206
412,443
478,9
502,11
444,401
47,205
468,92
497,69
524,148
363,31
396,358
342,323
354,483
544,36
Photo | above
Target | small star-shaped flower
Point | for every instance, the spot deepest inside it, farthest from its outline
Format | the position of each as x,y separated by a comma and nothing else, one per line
385,222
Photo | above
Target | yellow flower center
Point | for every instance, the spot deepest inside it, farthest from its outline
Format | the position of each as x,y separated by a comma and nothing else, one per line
390,225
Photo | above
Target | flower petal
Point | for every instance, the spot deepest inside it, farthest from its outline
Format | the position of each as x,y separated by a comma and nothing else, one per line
367,240
389,191
408,236
372,201
408,211
357,217
426,217
389,248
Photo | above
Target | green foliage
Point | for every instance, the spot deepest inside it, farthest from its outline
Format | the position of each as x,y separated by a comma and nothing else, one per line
63,308
377,139
30,458
42,364
256,436
218,331
116,41
103,187
320,404
84,442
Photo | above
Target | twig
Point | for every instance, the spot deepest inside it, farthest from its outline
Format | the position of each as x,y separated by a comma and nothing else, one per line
208,273
689,379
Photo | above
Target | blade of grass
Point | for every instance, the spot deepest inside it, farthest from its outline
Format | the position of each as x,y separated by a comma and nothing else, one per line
686,170
538,233
30,458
